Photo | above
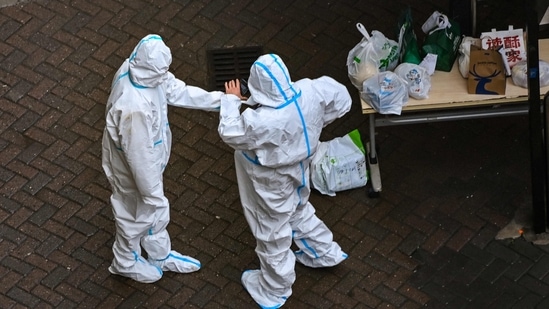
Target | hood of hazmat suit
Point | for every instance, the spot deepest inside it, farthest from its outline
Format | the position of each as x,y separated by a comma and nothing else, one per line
285,126
149,62
270,83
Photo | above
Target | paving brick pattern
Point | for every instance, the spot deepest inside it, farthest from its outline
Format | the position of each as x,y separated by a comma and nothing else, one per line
427,241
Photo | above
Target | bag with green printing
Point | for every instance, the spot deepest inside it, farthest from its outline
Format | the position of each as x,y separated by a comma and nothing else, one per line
373,54
339,164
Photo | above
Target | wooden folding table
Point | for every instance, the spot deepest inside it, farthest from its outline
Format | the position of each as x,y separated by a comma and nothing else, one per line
448,100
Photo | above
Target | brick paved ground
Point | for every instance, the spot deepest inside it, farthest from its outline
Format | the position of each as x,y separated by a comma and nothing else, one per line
429,240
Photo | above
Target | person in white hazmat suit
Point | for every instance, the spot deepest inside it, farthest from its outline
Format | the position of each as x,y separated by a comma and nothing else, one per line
136,148
274,143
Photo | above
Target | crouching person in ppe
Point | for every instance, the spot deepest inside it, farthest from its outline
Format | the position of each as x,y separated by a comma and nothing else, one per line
136,148
274,143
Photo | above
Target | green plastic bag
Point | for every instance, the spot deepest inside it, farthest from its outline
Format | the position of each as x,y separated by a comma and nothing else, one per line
443,40
407,39
357,140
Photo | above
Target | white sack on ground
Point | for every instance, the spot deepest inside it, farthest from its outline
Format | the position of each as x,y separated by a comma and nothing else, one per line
339,164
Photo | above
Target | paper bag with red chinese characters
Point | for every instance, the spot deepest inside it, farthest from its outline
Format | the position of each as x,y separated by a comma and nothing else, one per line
511,41
486,72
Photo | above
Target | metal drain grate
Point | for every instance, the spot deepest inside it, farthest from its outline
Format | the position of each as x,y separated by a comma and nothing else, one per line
230,63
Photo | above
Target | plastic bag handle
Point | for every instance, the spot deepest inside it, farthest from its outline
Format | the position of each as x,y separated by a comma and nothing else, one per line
362,30
442,23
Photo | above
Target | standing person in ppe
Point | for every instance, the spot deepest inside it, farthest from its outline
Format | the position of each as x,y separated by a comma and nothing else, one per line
274,143
136,148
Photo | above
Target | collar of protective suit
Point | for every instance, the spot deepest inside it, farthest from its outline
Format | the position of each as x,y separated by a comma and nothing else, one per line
150,61
269,82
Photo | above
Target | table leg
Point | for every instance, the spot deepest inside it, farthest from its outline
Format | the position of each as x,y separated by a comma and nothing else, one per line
373,164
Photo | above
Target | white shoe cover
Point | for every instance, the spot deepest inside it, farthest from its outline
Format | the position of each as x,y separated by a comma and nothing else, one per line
265,300
177,262
141,271
328,260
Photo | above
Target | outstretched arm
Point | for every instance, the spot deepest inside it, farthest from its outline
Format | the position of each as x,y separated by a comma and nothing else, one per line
182,95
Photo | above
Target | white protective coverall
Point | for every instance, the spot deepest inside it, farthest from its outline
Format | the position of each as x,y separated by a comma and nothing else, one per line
273,147
136,148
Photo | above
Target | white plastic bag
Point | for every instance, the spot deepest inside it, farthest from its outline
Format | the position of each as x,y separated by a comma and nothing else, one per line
429,62
339,164
465,54
519,74
417,78
371,55
385,92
